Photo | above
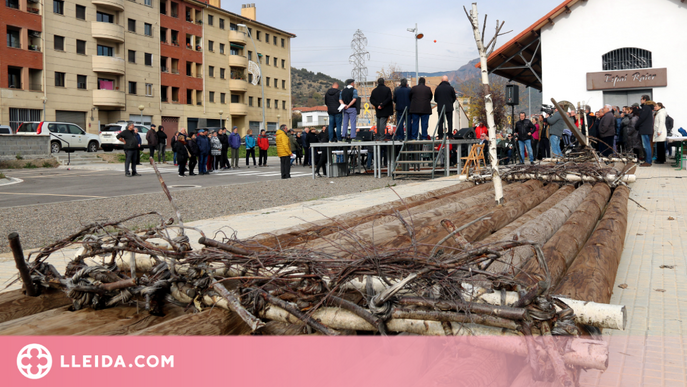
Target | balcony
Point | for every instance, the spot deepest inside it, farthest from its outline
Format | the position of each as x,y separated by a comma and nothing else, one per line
238,109
112,4
238,61
238,37
238,85
108,64
109,98
109,31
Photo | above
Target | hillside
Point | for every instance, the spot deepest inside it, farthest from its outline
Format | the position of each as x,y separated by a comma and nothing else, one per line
308,88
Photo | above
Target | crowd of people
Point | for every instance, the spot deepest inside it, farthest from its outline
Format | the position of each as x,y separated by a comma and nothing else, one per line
641,129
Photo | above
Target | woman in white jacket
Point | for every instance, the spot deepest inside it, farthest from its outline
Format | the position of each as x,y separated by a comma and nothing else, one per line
660,132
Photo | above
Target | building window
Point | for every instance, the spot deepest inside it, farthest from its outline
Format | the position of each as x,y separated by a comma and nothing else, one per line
189,97
80,12
211,20
221,73
189,69
267,37
59,43
282,42
235,98
148,3
13,37
12,4
132,25
211,45
250,78
283,84
268,103
250,101
81,82
275,62
283,105
148,59
221,23
221,48
275,40
259,102
105,51
250,55
81,47
148,29
59,79
132,56
268,82
275,83
267,60
58,6
627,58
13,78
211,71
223,98
257,35
174,11
149,89
283,63
104,17
132,87
163,7
211,96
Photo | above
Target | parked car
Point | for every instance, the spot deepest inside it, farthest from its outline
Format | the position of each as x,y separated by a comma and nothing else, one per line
108,135
63,135
271,137
4,129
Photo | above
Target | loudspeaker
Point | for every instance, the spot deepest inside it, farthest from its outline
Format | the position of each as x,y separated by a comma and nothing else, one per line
465,134
512,95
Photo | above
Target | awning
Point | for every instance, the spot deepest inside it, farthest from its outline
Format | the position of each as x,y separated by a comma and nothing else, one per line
520,59
234,45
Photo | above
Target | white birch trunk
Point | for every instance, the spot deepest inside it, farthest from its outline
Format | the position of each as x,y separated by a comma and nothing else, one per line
489,105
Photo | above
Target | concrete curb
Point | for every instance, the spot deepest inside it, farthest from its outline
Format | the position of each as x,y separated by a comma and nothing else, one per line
10,181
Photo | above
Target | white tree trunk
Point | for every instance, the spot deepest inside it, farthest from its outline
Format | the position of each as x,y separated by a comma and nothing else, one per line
489,105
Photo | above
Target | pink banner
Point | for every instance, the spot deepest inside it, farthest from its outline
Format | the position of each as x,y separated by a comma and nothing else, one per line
260,361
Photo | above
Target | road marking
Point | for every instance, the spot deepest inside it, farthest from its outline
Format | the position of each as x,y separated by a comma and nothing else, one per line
46,194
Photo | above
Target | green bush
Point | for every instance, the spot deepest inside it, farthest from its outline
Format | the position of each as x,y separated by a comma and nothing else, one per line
30,165
47,164
19,156
2,175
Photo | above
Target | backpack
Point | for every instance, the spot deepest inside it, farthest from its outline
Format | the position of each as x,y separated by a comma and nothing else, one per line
669,125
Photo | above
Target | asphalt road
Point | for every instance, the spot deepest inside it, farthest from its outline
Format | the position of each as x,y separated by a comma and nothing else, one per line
42,186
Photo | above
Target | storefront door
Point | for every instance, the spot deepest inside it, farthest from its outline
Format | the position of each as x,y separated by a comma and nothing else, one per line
625,97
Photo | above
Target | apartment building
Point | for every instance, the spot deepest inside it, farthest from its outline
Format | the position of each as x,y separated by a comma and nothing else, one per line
176,63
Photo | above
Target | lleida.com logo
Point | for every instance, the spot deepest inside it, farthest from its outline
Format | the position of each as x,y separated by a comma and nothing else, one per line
34,361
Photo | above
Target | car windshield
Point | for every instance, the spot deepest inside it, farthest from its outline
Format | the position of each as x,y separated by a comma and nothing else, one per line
141,129
112,128
28,127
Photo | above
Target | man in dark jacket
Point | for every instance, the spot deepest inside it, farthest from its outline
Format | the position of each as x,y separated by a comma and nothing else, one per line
607,132
351,107
151,137
420,108
203,150
235,144
445,96
128,137
306,147
645,127
331,100
381,99
193,153
161,145
523,133
224,140
402,101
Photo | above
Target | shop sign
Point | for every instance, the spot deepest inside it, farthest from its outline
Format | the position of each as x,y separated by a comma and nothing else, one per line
627,79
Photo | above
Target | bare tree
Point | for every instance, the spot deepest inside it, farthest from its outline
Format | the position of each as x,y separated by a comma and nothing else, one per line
484,52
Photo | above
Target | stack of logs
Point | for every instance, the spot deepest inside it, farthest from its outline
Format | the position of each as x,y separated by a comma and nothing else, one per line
447,262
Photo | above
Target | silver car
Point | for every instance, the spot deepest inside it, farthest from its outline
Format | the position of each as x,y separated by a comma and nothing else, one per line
108,135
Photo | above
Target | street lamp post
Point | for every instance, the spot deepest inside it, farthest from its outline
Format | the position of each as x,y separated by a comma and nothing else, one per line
418,36
262,84
220,118
141,107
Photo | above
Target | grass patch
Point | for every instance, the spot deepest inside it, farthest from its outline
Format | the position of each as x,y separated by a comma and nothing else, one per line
19,156
2,175
30,165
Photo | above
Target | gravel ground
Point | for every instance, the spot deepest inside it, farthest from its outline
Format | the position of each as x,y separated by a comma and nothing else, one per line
41,225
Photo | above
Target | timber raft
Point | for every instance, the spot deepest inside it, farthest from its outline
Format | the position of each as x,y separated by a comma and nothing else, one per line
539,267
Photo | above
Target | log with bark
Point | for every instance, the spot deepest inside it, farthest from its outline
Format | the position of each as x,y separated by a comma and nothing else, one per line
592,274
563,247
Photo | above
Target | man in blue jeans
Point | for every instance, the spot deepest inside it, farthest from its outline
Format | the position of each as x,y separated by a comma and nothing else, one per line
331,100
204,149
402,101
523,132
420,108
349,98
645,127
556,127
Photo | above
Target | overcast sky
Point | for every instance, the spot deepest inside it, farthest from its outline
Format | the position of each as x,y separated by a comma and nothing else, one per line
324,30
